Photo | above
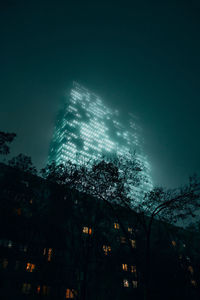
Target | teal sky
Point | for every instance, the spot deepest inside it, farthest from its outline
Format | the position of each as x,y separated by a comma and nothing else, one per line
140,56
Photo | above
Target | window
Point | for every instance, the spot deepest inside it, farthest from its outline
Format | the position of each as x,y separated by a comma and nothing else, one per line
30,267
116,225
133,243
125,283
18,211
130,229
17,264
106,249
125,267
44,251
50,251
135,284
38,289
10,244
133,269
45,290
87,230
173,243
190,269
123,240
69,294
4,263
26,288
193,282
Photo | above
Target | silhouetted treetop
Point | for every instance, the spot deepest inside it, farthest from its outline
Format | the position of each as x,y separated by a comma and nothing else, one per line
5,139
23,163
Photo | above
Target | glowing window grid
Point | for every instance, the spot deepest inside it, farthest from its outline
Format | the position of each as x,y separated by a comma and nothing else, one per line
86,130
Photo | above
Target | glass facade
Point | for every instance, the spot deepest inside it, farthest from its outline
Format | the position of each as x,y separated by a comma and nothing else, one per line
87,130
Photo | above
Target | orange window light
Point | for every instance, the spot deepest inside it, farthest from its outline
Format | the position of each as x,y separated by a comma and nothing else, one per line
30,267
125,283
69,294
125,267
50,252
133,269
116,225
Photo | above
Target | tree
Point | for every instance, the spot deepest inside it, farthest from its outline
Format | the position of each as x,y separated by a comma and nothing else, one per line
107,181
23,163
5,140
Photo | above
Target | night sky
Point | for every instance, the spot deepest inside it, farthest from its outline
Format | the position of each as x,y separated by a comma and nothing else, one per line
140,56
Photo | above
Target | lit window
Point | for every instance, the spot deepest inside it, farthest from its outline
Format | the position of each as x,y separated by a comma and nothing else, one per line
10,244
133,269
125,283
193,282
26,288
44,251
130,229
38,289
30,267
50,251
45,290
135,284
4,263
116,225
87,230
123,239
106,249
125,267
174,243
69,294
19,211
190,269
133,243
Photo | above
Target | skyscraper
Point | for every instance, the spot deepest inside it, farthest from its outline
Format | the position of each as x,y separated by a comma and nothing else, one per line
88,130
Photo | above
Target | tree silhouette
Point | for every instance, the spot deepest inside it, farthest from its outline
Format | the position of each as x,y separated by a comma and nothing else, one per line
23,163
5,140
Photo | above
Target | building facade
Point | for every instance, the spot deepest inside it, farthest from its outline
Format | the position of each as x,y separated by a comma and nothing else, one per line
87,130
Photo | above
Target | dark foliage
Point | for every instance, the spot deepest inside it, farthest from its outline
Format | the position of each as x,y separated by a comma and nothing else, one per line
5,140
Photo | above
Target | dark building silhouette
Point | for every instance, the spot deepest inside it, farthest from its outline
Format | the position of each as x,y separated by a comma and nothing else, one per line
59,244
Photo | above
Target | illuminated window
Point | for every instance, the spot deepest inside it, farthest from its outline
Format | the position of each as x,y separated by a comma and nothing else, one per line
44,251
87,230
174,243
30,267
190,269
125,267
19,211
45,290
26,288
125,283
106,249
123,239
116,225
135,284
4,263
10,244
133,269
133,243
38,289
130,229
50,252
69,294
193,282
